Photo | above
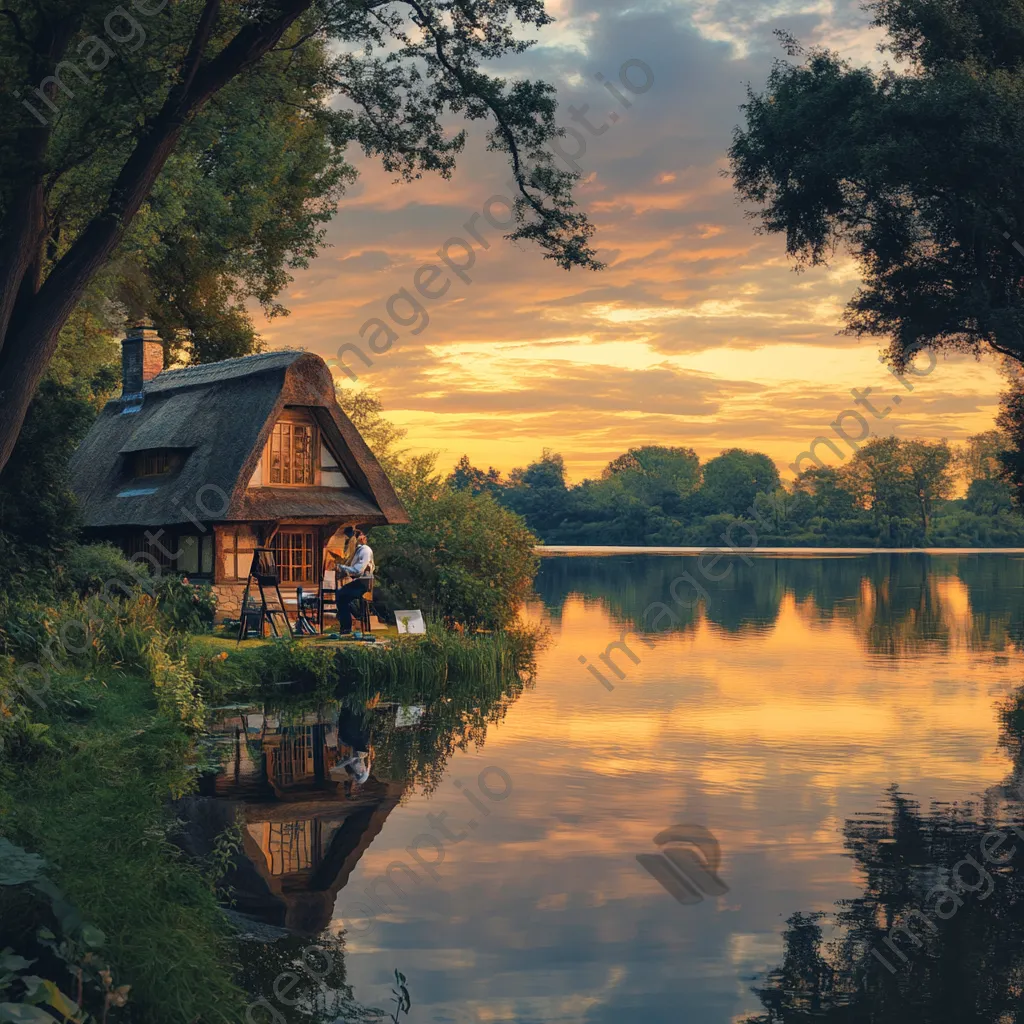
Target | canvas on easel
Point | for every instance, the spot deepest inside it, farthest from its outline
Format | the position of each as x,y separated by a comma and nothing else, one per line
264,574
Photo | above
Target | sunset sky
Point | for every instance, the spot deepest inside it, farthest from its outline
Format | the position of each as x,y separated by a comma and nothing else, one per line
698,333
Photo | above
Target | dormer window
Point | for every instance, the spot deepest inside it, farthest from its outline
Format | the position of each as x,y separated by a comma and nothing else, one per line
291,454
157,462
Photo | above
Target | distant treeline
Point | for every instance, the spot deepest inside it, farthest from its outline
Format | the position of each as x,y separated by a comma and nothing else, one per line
891,493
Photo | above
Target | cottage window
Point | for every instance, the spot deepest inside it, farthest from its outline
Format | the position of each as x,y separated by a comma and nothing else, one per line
188,561
154,463
166,550
293,552
290,454
154,548
196,556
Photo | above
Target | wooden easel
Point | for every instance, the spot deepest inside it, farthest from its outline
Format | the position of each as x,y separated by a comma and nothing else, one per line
263,572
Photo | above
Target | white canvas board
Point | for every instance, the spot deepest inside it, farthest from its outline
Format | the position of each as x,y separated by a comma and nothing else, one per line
410,622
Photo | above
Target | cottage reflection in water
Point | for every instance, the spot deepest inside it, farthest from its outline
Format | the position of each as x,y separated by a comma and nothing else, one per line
295,779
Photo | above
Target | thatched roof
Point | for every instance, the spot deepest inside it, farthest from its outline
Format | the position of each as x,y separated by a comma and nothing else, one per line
219,417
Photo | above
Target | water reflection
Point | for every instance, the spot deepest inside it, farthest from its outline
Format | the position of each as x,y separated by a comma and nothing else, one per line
832,722
307,815
898,604
314,785
937,935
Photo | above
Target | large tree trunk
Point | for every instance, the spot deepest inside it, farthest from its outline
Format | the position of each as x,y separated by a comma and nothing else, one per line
32,314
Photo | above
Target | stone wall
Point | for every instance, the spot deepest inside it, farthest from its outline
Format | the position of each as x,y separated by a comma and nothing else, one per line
229,600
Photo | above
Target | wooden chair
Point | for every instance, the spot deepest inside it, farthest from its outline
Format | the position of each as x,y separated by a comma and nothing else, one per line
307,608
364,608
327,601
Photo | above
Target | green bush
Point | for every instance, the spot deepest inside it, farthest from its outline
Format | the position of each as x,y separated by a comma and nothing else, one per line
20,735
66,945
464,559
90,634
186,607
104,569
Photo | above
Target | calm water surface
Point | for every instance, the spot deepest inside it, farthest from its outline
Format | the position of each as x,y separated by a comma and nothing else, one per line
842,726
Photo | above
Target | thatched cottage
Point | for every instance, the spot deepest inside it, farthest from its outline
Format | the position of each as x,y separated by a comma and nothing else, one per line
192,469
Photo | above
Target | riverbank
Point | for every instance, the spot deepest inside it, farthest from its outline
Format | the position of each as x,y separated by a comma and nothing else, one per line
92,781
94,803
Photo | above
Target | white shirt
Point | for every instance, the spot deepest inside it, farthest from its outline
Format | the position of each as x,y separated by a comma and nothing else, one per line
362,562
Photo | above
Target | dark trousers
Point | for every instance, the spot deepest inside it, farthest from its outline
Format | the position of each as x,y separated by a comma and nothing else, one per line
344,597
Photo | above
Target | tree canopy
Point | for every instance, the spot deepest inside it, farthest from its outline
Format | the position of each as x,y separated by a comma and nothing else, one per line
911,169
892,493
733,480
188,151
653,473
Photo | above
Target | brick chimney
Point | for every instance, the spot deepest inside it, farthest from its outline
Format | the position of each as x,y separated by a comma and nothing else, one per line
142,358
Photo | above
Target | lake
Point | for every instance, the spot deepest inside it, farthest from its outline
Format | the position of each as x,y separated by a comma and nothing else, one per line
800,758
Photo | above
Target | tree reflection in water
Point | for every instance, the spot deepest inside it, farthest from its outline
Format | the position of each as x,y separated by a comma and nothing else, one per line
898,605
965,965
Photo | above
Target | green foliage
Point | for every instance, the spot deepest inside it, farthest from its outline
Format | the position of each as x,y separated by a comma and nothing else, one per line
177,696
978,458
654,475
466,477
733,480
103,569
95,634
364,408
464,558
1011,423
186,607
73,948
97,755
988,498
409,667
891,493
538,493
400,997
227,847
96,807
38,513
900,480
244,202
905,169
189,167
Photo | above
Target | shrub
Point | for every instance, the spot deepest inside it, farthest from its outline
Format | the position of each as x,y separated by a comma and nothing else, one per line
93,633
20,736
464,558
103,568
177,695
184,606
67,946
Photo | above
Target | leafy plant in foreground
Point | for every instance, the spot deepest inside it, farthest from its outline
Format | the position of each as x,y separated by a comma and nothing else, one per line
27,998
400,996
